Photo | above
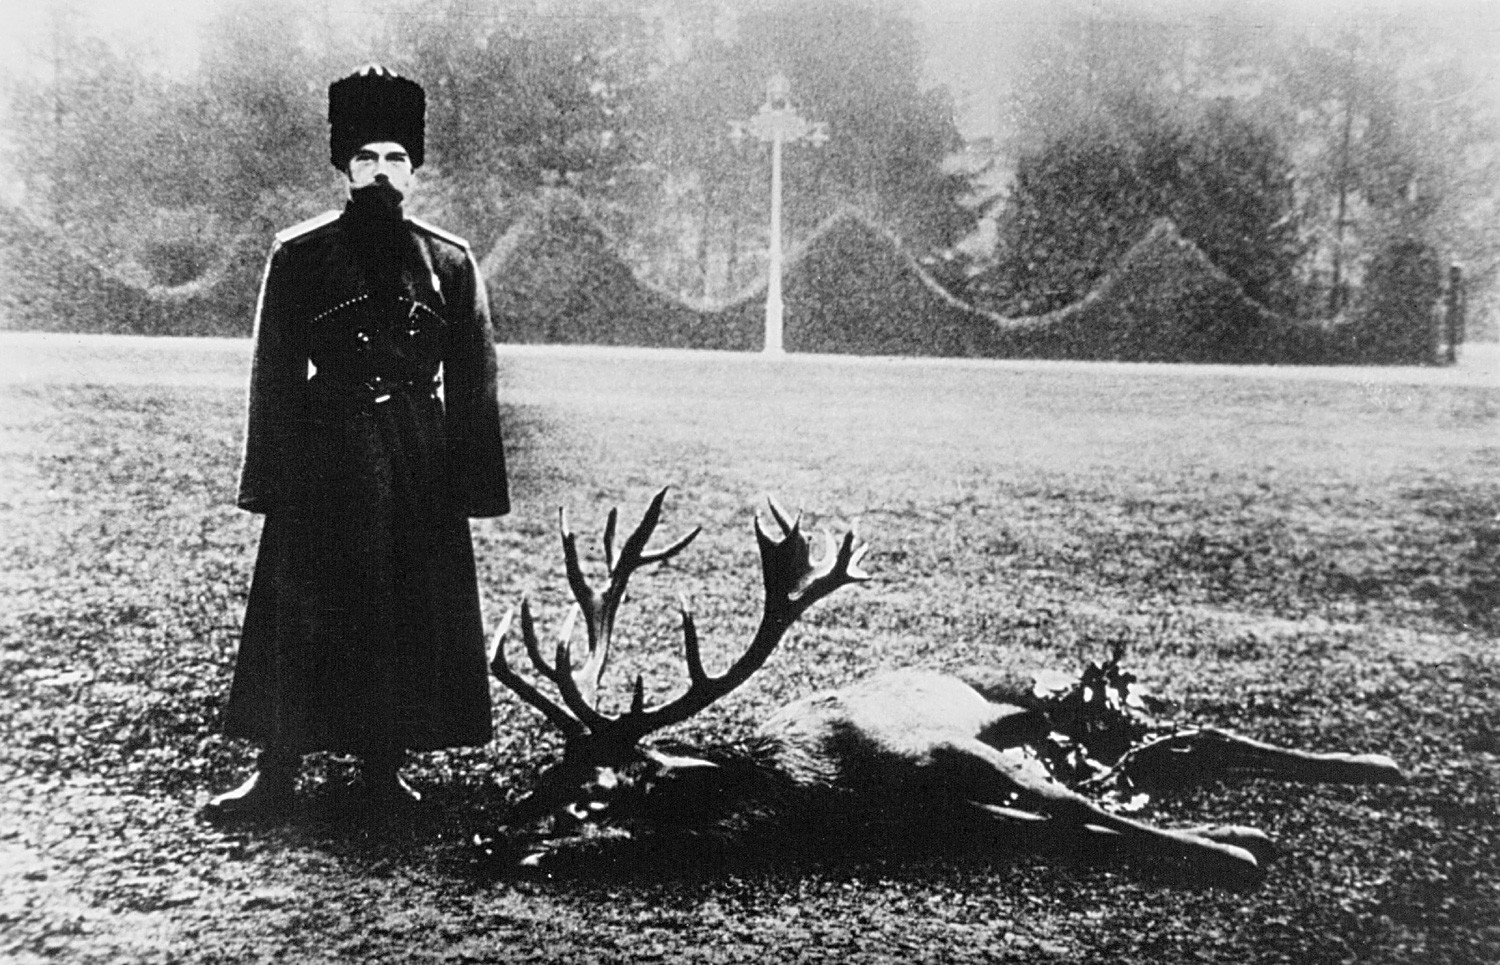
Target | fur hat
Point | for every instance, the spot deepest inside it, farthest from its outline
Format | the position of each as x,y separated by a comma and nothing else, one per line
374,104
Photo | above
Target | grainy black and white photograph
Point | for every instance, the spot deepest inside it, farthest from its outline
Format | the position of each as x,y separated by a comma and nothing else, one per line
714,481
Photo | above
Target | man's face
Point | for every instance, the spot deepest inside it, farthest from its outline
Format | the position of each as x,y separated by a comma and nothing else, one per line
381,158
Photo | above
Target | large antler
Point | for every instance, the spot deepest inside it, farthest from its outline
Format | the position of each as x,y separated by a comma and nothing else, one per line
579,686
793,583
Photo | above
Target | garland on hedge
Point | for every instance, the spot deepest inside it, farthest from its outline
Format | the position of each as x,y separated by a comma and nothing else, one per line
21,227
1167,302
850,288
555,277
49,283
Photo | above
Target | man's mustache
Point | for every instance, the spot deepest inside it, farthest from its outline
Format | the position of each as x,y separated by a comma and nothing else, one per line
381,188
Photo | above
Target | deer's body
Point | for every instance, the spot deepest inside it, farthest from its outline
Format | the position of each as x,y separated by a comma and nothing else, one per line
905,757
910,734
904,752
904,715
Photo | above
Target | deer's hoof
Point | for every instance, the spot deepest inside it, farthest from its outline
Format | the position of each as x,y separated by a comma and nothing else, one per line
1253,840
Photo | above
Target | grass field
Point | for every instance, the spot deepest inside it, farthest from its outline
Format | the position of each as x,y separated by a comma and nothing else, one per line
1308,557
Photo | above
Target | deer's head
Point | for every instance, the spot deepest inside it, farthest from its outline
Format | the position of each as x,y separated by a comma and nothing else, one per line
606,769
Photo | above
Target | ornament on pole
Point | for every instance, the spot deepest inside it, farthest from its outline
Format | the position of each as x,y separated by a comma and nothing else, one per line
778,123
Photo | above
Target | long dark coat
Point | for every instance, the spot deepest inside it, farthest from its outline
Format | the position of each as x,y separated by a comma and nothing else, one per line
362,633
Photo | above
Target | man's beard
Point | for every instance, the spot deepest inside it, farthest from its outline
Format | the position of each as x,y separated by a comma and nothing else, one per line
378,199
379,242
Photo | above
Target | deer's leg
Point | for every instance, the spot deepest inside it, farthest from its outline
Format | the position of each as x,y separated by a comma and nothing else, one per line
1253,840
1195,756
1095,839
1002,784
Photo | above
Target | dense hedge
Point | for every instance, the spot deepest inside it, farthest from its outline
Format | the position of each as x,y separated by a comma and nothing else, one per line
48,284
1164,302
851,289
555,277
1078,203
1392,321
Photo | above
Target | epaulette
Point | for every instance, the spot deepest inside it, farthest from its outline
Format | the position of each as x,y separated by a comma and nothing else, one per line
306,227
437,232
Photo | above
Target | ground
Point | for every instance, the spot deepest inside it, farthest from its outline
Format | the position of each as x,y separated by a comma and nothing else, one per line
1306,556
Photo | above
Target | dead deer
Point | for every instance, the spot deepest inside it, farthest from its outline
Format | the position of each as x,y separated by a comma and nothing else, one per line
901,753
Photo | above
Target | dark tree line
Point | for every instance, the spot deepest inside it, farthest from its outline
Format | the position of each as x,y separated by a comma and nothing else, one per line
1295,159
1082,200
625,106
1344,139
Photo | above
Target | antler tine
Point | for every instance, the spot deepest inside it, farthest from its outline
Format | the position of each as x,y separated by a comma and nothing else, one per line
579,686
570,684
497,639
523,688
577,582
787,528
587,677
792,585
533,645
691,648
600,609
662,555
793,582
633,554
610,522
839,567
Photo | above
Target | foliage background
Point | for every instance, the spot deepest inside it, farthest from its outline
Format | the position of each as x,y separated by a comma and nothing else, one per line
1295,148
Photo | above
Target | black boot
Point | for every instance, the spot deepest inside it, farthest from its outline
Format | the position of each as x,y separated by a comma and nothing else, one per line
383,783
267,793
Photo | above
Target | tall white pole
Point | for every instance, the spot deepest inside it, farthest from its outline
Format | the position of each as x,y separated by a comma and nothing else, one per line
778,123
775,313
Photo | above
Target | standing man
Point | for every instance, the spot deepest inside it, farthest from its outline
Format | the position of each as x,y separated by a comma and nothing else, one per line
373,435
